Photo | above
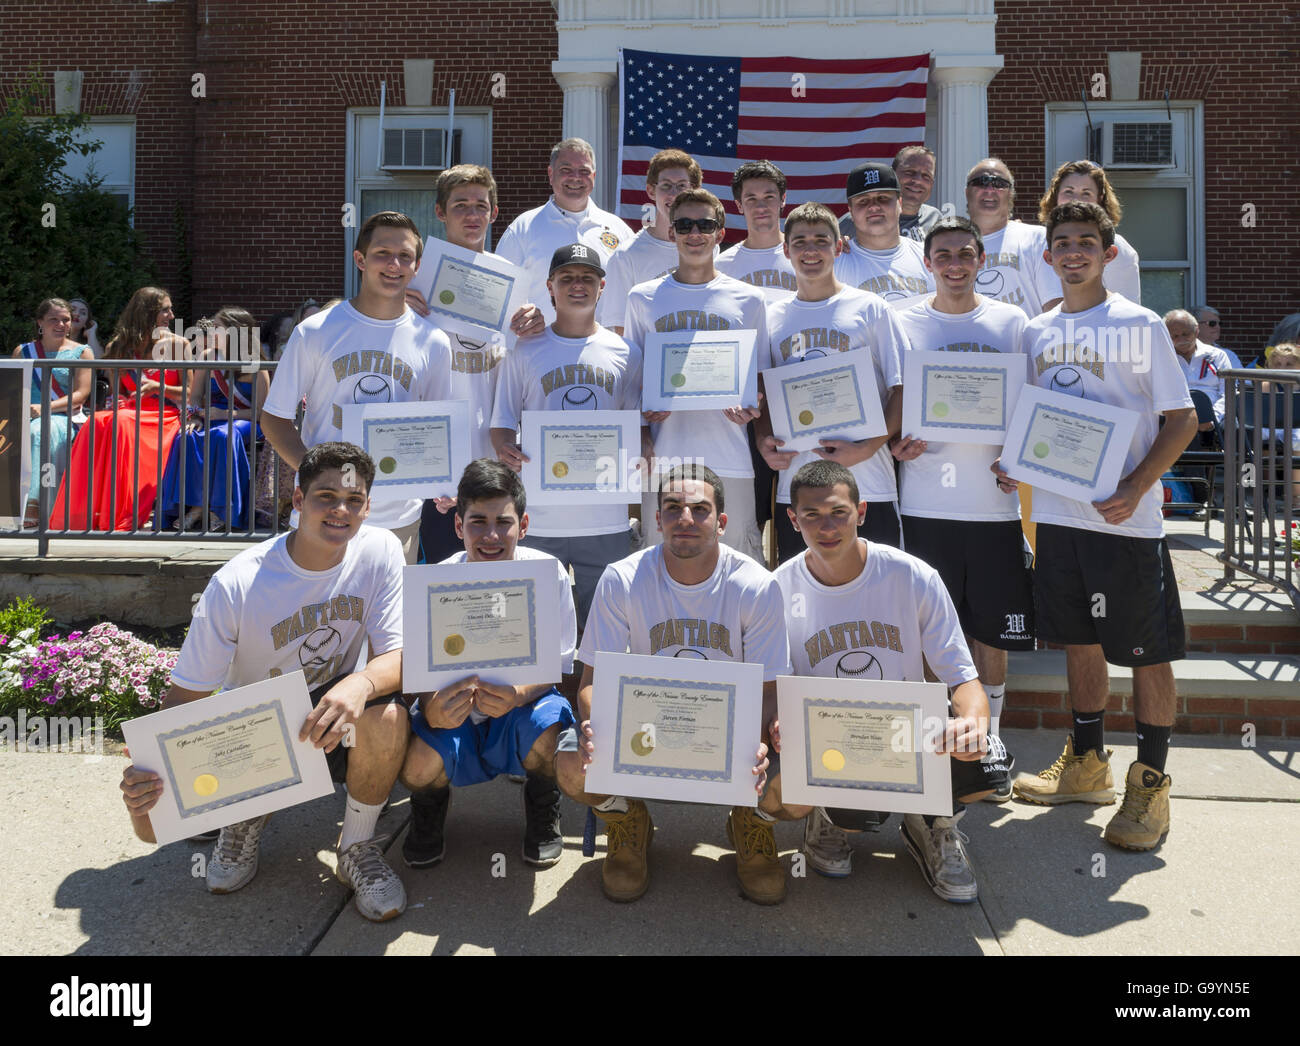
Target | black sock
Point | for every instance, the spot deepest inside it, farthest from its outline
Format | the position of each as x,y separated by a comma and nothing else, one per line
1153,745
1089,731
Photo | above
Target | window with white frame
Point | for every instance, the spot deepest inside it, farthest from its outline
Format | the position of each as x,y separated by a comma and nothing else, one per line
1154,158
113,162
397,169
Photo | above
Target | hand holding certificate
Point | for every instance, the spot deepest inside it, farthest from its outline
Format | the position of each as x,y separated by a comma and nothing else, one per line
700,370
667,728
833,397
589,453
229,757
965,397
1073,447
469,293
864,744
419,449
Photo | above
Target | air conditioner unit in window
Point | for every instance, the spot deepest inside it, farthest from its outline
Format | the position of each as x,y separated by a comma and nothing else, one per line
1132,146
418,148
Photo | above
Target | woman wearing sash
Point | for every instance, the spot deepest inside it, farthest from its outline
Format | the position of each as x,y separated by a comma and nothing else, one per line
150,397
68,391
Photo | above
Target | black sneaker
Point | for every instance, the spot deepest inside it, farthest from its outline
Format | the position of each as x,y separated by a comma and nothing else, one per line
424,844
999,763
543,843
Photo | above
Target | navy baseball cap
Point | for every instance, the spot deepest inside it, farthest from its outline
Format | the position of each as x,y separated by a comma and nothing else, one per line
576,254
872,177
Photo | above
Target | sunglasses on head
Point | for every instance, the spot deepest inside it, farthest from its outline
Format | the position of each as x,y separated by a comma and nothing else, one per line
683,226
995,181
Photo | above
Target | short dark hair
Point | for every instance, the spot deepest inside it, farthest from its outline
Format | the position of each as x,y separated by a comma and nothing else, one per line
756,169
1088,213
388,220
954,224
335,455
484,478
695,471
820,474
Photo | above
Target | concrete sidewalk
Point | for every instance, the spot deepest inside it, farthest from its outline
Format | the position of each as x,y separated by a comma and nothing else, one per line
76,881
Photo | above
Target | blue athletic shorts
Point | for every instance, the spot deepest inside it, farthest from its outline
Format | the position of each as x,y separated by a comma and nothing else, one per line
478,752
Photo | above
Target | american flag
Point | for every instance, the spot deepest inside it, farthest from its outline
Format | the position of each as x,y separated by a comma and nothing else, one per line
815,119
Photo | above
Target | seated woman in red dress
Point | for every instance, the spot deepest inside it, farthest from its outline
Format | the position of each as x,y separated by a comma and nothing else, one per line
151,396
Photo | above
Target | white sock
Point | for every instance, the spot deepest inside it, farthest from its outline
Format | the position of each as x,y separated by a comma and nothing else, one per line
765,815
615,804
358,822
997,695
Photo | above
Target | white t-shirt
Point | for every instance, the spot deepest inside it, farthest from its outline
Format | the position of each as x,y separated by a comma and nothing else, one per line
766,268
877,626
735,615
1117,353
645,258
1124,274
1014,270
536,235
894,274
558,600
952,480
846,321
1202,373
338,358
548,372
262,615
721,304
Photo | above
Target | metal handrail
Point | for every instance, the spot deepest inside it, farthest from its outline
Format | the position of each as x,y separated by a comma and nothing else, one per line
1257,528
48,528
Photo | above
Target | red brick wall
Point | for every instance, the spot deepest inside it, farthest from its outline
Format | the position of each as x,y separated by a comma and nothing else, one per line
1050,710
1232,57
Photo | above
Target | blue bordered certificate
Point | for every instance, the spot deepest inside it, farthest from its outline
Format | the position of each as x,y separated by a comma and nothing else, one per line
829,397
864,744
469,293
1070,446
960,397
673,728
699,370
486,619
589,455
229,757
419,449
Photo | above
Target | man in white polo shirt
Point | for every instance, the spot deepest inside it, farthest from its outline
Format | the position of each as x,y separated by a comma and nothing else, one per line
879,259
567,217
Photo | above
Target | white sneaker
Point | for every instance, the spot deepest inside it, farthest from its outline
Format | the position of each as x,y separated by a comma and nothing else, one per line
827,845
234,858
380,893
942,856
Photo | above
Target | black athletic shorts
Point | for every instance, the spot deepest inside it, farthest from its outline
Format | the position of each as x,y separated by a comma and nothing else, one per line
337,760
438,533
983,567
1109,589
881,526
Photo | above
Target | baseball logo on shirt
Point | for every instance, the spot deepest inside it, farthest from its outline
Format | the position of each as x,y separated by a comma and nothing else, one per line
371,388
691,652
990,282
579,397
858,664
319,647
1067,381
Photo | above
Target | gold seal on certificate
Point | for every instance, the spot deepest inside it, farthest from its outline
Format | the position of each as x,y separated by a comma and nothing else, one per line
831,397
478,294
586,452
806,417
454,644
858,746
699,370
560,469
824,401
961,397
387,465
205,785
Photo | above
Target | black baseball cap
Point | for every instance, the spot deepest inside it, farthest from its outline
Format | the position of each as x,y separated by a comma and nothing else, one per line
872,177
576,254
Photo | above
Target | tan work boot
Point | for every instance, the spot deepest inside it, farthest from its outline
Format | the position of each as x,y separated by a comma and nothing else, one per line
1143,817
1071,779
625,875
762,879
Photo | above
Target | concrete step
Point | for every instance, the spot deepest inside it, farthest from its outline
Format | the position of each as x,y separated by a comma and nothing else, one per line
1217,693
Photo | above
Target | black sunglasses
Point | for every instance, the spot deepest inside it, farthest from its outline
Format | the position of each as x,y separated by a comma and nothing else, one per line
683,226
995,181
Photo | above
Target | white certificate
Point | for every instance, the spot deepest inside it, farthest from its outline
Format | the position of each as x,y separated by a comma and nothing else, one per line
585,455
484,619
670,728
699,370
419,449
229,757
830,397
469,293
1070,446
960,397
864,744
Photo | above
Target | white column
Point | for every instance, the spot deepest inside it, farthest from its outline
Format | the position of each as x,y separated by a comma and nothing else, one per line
586,88
963,117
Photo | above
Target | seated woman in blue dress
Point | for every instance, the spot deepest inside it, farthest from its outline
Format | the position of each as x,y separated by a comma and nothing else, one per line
219,428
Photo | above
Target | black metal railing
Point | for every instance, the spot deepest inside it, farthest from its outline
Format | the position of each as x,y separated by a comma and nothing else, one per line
1259,426
147,521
